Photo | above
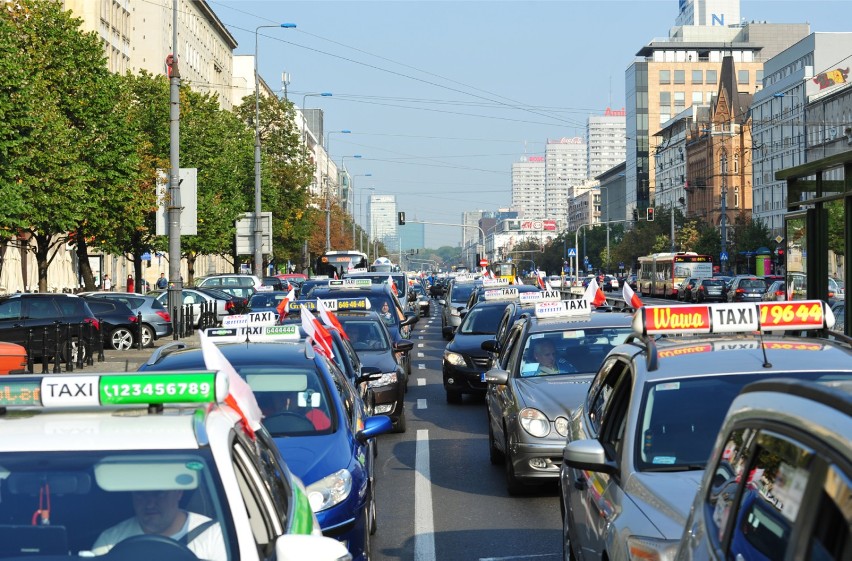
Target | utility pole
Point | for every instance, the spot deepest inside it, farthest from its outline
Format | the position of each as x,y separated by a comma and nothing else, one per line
175,281
724,218
673,226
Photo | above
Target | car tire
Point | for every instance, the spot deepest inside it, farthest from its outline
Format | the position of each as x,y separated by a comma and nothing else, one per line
372,517
77,346
513,484
495,456
454,397
399,425
121,339
148,336
367,553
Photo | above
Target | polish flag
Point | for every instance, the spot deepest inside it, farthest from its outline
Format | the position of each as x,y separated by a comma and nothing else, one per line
283,307
317,333
594,294
547,285
329,318
630,297
240,397
539,280
392,284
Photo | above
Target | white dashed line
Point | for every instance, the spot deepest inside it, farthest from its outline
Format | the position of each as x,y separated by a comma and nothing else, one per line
424,523
420,336
420,345
421,404
421,367
421,381
539,556
420,355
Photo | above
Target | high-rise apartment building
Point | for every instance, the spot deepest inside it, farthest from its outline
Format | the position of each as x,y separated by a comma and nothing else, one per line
528,187
382,217
565,167
606,140
683,69
110,19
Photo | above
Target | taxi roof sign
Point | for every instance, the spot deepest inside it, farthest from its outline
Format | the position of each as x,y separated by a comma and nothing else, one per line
332,304
251,319
540,296
495,282
733,318
109,389
563,309
290,332
500,294
350,283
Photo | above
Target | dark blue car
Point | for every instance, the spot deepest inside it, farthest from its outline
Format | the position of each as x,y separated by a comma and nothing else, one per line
319,423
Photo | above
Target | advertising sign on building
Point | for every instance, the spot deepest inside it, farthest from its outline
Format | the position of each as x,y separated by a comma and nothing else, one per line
549,225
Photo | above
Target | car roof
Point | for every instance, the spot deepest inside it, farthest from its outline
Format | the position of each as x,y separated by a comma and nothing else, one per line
271,353
595,319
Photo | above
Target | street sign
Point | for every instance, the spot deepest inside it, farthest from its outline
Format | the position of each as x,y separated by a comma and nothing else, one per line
779,239
483,262
572,252
723,256
621,266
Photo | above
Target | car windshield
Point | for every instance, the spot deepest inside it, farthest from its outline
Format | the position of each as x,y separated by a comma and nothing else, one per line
89,493
461,293
574,351
678,424
294,401
263,300
481,320
365,334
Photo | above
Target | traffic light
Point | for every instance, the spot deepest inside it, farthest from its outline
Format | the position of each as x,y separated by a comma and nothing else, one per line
635,215
401,218
649,214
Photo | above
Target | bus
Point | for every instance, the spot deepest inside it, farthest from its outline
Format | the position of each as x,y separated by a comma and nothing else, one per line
335,263
504,270
660,274
383,265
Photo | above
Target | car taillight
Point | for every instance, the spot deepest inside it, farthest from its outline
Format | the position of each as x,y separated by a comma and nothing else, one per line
701,289
94,322
779,293
830,294
739,291
165,315
133,319
229,305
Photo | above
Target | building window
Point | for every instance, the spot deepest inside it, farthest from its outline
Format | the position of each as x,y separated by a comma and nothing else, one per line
679,99
680,76
711,77
665,99
758,76
742,76
697,97
665,77
697,77
664,117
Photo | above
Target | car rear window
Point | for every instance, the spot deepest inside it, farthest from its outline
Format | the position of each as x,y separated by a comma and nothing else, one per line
461,292
712,282
753,283
72,307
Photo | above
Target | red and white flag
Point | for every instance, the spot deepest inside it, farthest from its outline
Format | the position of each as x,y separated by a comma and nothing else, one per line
329,318
392,284
630,297
317,333
594,294
240,396
547,285
283,307
539,280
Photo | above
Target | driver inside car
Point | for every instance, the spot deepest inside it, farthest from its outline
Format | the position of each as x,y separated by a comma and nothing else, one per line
158,513
274,403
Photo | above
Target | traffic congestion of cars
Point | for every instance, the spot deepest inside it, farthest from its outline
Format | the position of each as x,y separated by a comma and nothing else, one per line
717,428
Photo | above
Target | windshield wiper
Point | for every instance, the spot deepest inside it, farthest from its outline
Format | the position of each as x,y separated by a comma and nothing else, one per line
687,467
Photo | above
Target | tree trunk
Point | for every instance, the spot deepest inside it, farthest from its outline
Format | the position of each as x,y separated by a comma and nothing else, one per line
83,264
43,258
190,268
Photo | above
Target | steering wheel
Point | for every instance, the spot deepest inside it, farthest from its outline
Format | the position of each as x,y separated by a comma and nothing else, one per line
287,421
145,547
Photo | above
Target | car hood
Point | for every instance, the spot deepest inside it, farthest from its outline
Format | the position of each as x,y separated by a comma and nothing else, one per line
665,498
311,458
383,360
470,345
553,395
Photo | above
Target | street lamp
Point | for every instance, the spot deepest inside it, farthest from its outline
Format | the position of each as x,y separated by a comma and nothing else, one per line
327,187
361,213
305,119
258,228
352,207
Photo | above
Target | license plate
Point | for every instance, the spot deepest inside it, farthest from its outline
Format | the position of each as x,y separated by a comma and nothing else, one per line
482,377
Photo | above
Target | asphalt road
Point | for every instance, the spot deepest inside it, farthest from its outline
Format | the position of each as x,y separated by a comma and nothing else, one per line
438,496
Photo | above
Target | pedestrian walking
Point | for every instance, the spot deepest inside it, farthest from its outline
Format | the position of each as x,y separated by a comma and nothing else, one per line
162,282
107,283
130,285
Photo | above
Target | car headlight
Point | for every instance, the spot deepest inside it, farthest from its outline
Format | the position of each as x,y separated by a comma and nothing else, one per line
454,358
561,426
387,379
641,547
534,422
330,490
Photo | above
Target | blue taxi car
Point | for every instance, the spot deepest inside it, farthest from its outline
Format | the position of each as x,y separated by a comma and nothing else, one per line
316,418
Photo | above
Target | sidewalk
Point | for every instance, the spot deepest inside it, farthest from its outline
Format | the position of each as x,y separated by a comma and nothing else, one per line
130,360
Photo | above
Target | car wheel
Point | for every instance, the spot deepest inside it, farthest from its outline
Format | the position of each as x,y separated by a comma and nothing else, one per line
399,425
148,336
494,453
366,552
121,339
372,518
454,397
77,348
513,484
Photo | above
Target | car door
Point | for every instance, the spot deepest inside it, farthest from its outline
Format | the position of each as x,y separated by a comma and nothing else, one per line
39,313
12,324
590,494
498,396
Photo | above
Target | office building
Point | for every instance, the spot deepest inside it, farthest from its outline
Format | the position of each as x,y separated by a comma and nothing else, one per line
382,220
528,187
606,140
565,167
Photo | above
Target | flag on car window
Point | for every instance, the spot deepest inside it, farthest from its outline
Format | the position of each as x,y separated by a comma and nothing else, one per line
329,318
283,307
594,294
630,297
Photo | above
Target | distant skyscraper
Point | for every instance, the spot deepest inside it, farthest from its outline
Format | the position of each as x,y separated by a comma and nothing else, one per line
607,140
528,183
709,13
566,167
382,220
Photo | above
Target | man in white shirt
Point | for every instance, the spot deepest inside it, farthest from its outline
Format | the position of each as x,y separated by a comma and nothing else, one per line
158,512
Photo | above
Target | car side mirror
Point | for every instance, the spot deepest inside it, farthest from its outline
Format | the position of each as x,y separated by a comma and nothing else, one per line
373,426
403,345
448,331
490,345
442,302
589,455
497,376
292,547
409,320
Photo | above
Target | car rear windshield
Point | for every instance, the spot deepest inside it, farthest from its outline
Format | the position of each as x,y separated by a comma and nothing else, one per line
752,283
712,282
678,424
461,292
482,320
365,334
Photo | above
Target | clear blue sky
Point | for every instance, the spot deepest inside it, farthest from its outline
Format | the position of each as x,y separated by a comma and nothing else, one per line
442,97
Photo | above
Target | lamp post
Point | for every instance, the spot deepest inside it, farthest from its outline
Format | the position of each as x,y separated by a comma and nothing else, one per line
606,189
352,208
258,228
360,212
305,119
327,187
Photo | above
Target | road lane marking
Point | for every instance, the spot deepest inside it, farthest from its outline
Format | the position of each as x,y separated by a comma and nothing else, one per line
420,345
510,558
421,367
424,523
421,381
420,355
421,404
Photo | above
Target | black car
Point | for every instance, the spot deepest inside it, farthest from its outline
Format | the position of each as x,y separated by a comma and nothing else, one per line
266,301
233,304
20,313
118,322
708,290
464,359
371,340
746,289
480,291
275,283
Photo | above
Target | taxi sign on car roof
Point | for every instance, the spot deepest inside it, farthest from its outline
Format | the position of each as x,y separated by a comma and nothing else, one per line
540,296
733,318
464,278
97,390
500,294
251,319
494,282
350,283
563,309
289,332
333,304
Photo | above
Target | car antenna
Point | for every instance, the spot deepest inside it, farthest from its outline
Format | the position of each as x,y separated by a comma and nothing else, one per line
766,363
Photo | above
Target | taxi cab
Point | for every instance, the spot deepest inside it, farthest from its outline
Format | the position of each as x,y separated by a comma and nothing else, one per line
100,464
541,376
637,447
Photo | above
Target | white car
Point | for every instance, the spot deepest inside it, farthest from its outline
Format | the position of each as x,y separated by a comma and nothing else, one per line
555,281
88,453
